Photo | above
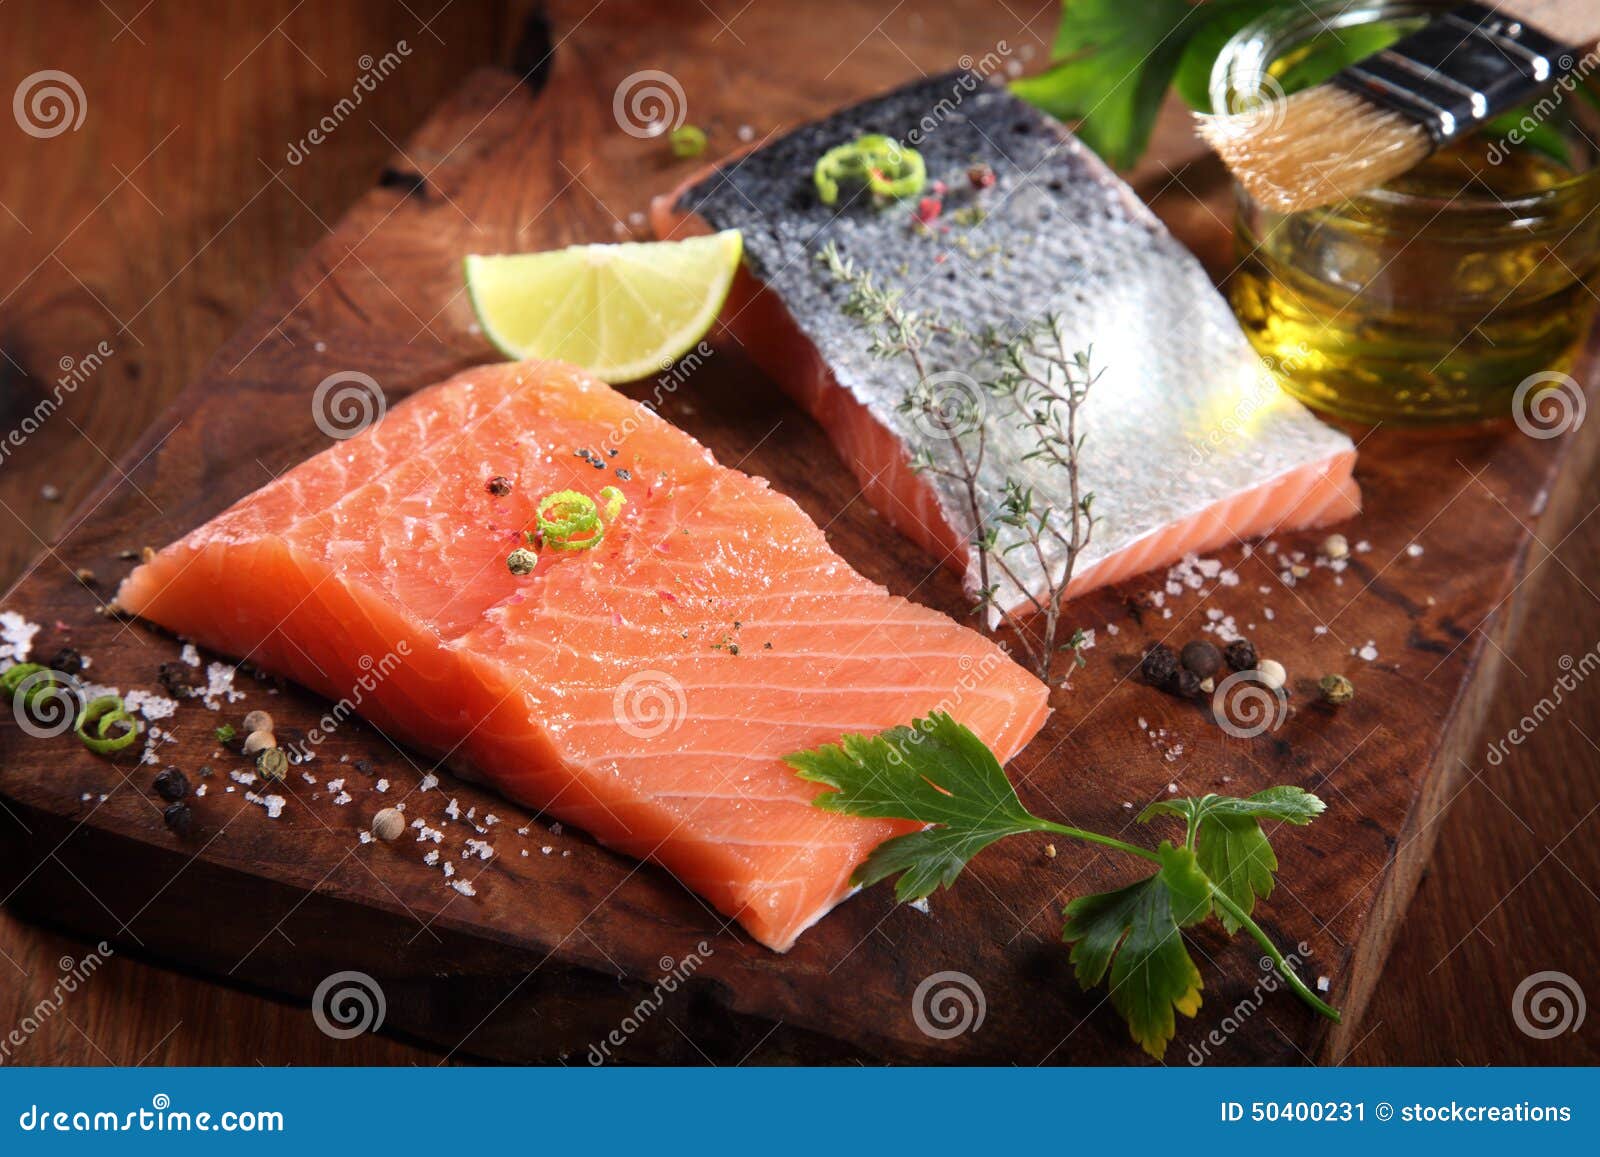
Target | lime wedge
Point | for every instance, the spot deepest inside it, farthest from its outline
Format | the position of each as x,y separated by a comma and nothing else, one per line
620,311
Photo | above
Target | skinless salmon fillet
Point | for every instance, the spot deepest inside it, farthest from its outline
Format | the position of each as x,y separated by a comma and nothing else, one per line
1188,442
645,690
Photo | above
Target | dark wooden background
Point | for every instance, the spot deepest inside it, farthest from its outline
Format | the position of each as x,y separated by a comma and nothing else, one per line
159,224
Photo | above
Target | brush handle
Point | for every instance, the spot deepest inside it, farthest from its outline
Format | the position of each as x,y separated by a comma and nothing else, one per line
1576,22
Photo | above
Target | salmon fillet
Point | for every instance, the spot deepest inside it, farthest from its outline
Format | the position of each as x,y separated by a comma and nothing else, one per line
1189,442
645,690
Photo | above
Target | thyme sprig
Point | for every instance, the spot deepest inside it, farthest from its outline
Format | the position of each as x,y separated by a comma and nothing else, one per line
1043,385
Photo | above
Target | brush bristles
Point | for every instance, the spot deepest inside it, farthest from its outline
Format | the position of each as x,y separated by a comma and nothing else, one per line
1315,147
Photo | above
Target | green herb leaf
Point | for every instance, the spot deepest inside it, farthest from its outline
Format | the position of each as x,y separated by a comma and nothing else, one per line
227,733
1231,848
1115,62
1220,19
934,771
1134,932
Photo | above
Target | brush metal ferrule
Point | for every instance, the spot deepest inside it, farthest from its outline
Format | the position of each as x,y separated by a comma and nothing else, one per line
1461,69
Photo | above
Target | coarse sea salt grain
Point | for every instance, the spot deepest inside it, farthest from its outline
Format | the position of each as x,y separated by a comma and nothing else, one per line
464,887
1368,652
449,869
150,705
429,782
244,777
190,655
366,836
336,785
342,798
453,809
200,791
480,848
273,803
381,785
219,686
431,858
16,636
921,906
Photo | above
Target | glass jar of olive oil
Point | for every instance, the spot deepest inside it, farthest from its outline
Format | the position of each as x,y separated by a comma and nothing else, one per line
1430,299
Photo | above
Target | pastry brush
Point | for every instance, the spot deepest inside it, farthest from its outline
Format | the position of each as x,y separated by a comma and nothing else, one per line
1378,118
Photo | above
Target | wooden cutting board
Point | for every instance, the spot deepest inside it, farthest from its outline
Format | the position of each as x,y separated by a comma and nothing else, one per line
558,949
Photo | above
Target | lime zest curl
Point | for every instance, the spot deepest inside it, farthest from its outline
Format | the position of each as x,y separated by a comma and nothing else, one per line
891,170
569,520
564,514
106,713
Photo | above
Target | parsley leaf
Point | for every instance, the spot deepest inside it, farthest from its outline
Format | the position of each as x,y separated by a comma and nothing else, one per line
934,771
1114,62
1231,848
1134,932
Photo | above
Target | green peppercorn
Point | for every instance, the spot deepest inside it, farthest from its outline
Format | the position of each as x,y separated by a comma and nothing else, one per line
273,763
521,561
1336,689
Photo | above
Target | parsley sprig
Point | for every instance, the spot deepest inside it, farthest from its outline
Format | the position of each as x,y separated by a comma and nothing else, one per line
937,772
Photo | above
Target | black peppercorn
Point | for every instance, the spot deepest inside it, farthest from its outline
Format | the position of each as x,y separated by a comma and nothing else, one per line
67,661
1159,665
171,784
180,819
174,679
499,486
1202,658
1241,655
1185,683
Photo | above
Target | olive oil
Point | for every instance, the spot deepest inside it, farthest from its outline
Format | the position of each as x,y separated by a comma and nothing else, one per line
1433,298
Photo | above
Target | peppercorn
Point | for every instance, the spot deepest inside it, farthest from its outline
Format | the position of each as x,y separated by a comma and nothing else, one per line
499,486
273,763
1272,674
174,679
389,824
1160,664
171,784
1336,689
257,721
1240,655
67,661
179,818
1336,546
1185,683
521,561
258,741
1202,658
981,176
363,766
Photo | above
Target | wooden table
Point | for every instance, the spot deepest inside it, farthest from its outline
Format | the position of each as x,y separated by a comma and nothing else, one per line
160,223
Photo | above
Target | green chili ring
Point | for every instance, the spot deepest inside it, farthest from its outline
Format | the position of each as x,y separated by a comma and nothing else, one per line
14,677
885,166
106,712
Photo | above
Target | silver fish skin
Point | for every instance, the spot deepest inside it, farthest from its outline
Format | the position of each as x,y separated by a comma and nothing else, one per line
1185,415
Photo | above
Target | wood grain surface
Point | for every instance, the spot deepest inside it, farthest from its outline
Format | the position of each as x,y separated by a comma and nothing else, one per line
163,223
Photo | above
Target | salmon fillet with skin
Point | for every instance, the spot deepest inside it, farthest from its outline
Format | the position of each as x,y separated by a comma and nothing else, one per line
645,690
1189,443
